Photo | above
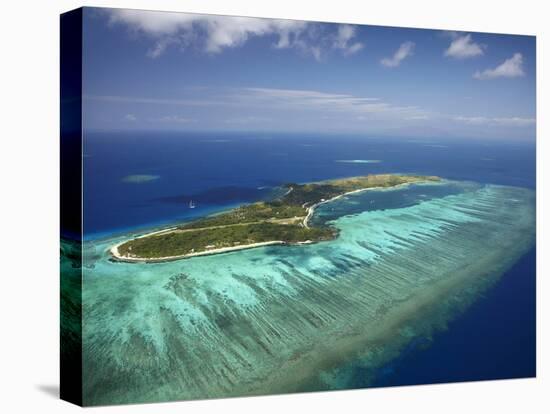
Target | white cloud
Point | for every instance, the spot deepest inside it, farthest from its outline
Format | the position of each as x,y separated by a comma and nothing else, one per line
151,22
343,39
356,47
463,47
418,118
254,106
145,100
496,121
406,49
514,121
234,31
316,52
294,100
213,33
159,47
174,119
361,107
246,120
312,99
510,68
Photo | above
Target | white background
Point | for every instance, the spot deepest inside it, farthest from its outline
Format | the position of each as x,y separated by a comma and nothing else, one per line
29,206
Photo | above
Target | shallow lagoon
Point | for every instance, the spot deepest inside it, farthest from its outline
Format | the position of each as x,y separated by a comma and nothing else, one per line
282,318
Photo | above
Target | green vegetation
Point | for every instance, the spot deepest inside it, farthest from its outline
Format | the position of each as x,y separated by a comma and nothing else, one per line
177,243
315,192
279,220
256,212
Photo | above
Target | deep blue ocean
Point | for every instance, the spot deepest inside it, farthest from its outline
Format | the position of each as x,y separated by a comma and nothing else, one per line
134,181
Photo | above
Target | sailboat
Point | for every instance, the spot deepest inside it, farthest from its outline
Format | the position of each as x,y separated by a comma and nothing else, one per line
191,204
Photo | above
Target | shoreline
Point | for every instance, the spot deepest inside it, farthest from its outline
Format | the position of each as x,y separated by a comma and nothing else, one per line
114,250
115,255
119,258
311,209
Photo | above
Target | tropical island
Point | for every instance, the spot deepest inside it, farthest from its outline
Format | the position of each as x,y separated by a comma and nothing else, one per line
284,220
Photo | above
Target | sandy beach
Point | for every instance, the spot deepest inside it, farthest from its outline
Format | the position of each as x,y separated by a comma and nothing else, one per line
115,253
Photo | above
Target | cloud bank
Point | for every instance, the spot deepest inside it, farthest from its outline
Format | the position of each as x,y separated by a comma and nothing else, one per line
213,34
481,120
362,107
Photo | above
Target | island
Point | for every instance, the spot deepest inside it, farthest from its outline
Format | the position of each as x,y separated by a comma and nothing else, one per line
285,220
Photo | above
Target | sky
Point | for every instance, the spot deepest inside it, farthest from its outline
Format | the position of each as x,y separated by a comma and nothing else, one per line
147,70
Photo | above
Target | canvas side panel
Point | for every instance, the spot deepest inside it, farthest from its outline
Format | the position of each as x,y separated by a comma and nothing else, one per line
71,206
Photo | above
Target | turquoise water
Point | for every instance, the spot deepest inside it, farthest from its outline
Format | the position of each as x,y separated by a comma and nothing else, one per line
298,318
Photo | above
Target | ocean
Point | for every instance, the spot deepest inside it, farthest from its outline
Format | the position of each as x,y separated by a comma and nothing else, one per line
480,330
219,170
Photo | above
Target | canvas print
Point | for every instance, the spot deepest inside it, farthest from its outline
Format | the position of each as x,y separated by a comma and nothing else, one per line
256,206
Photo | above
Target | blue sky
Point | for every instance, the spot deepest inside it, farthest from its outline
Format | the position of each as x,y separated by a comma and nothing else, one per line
173,71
